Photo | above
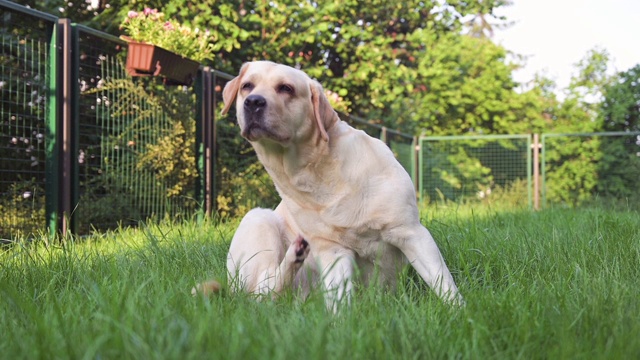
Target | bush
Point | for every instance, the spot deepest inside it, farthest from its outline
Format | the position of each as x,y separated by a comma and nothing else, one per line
22,207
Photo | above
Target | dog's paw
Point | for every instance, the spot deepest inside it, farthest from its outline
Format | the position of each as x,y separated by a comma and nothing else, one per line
298,250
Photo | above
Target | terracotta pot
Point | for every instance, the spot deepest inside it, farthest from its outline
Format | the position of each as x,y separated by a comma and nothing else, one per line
150,60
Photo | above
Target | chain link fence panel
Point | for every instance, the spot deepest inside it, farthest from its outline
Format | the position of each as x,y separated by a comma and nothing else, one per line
476,169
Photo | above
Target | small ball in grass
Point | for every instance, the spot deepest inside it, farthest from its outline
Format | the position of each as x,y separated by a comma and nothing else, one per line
206,288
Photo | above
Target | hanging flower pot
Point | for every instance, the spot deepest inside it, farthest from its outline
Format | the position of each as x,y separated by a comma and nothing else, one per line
149,60
160,47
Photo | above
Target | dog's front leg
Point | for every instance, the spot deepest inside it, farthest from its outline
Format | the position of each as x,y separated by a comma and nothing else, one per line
338,269
423,254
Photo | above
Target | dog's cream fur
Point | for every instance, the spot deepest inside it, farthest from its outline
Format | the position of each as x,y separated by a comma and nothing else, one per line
342,191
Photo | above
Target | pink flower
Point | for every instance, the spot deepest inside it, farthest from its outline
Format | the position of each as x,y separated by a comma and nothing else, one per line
149,11
132,14
168,25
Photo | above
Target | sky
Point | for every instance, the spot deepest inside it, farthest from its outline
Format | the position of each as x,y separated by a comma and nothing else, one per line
556,34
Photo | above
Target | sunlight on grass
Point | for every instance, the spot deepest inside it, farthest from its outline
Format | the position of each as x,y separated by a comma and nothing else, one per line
560,283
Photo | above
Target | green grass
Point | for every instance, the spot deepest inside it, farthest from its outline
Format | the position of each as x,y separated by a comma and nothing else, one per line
556,284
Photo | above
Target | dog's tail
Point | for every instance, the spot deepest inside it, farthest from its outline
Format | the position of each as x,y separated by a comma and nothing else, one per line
206,288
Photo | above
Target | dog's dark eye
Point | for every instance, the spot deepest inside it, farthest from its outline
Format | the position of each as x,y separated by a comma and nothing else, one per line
284,88
247,86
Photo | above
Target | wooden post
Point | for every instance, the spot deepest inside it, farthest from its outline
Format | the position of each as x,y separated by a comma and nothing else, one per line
536,172
383,135
66,130
416,165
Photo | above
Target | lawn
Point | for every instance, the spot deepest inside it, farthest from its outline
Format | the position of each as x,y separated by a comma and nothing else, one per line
554,284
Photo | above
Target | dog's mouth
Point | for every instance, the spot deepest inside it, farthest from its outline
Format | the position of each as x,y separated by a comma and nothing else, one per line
254,131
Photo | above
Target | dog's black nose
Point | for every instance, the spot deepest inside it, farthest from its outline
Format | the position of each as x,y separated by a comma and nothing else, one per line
255,102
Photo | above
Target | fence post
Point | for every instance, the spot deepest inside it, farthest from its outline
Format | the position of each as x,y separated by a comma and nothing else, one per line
383,135
213,95
52,197
536,171
204,142
51,135
543,165
420,161
66,113
198,85
415,174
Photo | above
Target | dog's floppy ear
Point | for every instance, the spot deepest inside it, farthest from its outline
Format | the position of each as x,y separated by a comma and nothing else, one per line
324,113
231,89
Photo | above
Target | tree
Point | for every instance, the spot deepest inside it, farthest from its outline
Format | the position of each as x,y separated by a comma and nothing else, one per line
467,88
587,86
99,14
578,111
620,109
405,65
483,21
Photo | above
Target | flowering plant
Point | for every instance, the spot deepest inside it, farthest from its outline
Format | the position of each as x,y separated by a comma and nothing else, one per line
150,27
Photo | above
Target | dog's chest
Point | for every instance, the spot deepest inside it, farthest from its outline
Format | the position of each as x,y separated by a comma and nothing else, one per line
351,226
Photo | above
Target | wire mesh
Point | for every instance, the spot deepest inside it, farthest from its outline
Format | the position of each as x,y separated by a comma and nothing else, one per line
24,77
583,168
403,147
479,168
134,145
136,142
133,141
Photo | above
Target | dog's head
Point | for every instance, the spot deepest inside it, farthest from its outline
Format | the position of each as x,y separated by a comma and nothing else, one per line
278,103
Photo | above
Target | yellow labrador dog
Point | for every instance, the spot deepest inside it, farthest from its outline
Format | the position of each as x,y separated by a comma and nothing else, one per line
348,207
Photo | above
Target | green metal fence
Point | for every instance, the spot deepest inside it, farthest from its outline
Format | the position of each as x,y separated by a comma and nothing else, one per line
130,166
25,80
476,168
403,147
580,168
83,145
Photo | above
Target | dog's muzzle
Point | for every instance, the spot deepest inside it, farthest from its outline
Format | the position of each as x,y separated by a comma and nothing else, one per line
254,118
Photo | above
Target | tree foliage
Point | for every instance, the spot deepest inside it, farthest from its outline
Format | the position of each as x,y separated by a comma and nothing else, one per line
580,167
620,110
407,65
419,66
